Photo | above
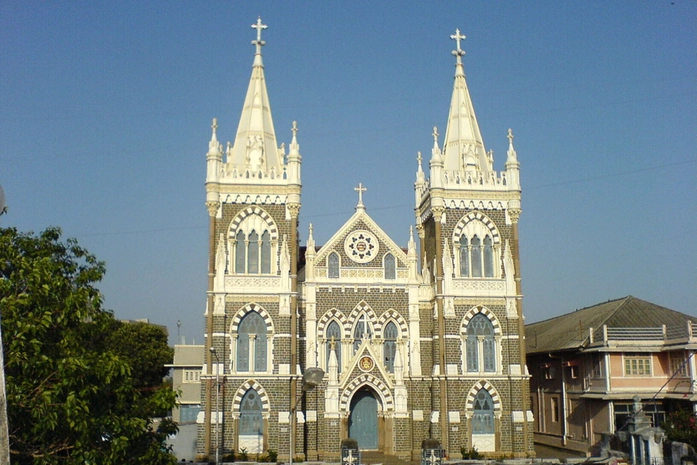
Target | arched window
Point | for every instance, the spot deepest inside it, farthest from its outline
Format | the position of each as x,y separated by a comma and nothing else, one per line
333,335
251,343
251,419
488,257
240,252
464,257
481,345
333,265
390,345
266,253
483,418
390,267
476,257
361,331
253,251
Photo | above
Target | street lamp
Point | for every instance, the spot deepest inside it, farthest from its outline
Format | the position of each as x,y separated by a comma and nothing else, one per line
217,405
311,378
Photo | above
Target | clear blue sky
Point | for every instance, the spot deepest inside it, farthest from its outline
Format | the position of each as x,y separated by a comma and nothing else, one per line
106,107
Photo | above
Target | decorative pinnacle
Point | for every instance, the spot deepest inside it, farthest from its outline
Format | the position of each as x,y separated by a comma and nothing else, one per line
295,128
510,136
360,189
259,43
418,158
459,53
214,126
435,134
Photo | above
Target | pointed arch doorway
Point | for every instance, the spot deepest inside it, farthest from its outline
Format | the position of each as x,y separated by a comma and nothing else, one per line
363,420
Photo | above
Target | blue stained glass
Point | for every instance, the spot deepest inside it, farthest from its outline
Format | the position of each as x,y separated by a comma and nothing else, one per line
251,419
476,258
390,345
253,266
251,325
266,253
488,258
464,257
390,267
333,265
240,255
483,418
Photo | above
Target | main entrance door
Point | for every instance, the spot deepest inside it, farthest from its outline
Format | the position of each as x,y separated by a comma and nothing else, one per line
363,422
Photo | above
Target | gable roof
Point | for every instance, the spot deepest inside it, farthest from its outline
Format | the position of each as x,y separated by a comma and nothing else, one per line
570,331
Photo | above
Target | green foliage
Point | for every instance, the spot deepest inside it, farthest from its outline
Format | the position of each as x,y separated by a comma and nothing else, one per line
269,457
681,426
71,397
244,455
471,454
229,457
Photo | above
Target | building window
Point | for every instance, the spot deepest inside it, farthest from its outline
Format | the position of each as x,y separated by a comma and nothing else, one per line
483,415
476,257
555,409
480,347
251,420
192,376
188,413
637,365
390,345
596,369
678,366
251,343
549,371
333,265
390,267
333,336
362,331
252,246
624,411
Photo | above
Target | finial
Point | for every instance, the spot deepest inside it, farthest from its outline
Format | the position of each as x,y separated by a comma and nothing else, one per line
510,136
435,134
418,158
459,53
295,128
214,126
360,189
310,238
259,43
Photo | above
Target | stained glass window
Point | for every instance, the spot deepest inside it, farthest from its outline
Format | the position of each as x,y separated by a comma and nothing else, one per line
476,257
483,418
253,251
333,265
251,339
488,257
240,252
464,257
390,345
266,253
361,331
390,268
251,420
480,340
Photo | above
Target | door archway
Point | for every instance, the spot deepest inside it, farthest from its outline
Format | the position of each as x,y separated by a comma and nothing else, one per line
363,420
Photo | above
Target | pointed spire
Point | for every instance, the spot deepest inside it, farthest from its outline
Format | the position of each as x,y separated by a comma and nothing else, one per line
420,176
255,149
512,164
463,148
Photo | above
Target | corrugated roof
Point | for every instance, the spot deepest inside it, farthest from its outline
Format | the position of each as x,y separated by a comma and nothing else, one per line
570,331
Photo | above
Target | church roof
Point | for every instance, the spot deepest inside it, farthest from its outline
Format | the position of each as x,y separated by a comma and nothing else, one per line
255,134
571,331
463,140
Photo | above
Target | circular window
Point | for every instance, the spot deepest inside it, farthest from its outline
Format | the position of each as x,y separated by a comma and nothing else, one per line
361,246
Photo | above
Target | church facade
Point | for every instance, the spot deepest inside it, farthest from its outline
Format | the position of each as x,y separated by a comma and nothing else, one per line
416,342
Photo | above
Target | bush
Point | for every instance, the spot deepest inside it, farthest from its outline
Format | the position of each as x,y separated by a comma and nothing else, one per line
471,454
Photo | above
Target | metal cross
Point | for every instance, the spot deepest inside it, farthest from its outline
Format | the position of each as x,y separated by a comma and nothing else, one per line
360,189
259,26
350,459
458,37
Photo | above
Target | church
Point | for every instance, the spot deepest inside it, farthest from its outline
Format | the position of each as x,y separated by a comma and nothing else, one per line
403,344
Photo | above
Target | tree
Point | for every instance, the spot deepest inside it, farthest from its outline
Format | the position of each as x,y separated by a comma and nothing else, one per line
681,426
71,398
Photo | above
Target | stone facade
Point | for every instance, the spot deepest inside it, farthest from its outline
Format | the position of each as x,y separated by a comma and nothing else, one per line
418,342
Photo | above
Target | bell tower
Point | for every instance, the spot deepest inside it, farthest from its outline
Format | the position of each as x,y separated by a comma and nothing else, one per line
467,219
253,192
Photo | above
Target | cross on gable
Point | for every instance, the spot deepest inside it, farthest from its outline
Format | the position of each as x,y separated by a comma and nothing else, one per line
360,189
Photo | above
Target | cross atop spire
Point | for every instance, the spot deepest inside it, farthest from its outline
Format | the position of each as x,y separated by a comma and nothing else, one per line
295,129
259,43
459,53
360,189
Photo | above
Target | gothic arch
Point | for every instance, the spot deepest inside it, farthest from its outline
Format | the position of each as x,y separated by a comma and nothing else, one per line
247,214
480,217
483,384
252,307
391,314
242,390
360,308
333,314
371,381
487,313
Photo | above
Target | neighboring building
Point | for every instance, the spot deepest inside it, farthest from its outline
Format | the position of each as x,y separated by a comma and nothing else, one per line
410,352
186,381
588,365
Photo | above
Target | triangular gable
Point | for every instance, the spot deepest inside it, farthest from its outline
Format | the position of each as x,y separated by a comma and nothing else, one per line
361,220
354,369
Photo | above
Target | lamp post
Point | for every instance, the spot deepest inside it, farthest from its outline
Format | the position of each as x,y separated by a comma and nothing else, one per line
311,378
217,405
